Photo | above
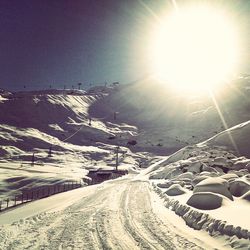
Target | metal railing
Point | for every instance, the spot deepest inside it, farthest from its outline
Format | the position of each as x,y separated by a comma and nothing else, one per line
38,193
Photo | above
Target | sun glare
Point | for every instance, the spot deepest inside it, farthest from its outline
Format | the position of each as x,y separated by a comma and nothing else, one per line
195,49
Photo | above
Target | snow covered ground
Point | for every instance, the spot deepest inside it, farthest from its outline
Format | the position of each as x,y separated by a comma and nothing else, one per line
120,214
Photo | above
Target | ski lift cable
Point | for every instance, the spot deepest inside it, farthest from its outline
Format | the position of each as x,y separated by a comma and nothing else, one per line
73,134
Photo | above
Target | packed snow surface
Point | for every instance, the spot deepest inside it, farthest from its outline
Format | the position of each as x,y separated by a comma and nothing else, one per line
120,214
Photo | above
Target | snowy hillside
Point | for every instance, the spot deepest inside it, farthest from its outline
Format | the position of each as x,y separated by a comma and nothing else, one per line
167,120
56,122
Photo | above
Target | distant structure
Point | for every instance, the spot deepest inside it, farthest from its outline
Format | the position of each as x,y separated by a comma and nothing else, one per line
79,85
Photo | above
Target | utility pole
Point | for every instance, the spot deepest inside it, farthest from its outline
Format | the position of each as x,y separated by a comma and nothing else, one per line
117,158
33,159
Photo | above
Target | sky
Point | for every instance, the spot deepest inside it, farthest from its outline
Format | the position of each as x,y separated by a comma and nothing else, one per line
63,42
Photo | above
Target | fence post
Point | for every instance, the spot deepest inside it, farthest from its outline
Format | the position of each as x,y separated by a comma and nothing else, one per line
22,198
7,201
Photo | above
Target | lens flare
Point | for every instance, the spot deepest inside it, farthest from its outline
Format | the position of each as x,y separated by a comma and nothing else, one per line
195,48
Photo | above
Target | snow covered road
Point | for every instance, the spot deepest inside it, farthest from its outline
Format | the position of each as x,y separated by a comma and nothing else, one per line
119,214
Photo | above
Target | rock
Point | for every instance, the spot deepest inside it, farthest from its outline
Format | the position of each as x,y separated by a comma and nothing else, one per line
198,179
229,176
205,201
239,187
246,196
175,189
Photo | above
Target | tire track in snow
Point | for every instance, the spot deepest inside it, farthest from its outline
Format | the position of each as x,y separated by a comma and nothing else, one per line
155,228
130,226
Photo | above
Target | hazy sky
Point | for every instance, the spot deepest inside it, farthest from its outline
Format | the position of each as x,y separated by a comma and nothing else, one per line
63,42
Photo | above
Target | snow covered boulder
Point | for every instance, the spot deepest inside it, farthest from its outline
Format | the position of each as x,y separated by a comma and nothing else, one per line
166,184
166,172
206,168
247,177
198,179
240,164
187,175
246,196
211,174
229,176
205,201
195,167
215,185
248,167
175,189
239,187
221,161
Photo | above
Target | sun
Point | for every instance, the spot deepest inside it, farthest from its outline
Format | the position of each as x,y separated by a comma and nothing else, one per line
195,49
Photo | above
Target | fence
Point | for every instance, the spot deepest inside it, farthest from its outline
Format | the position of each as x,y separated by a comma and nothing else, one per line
38,193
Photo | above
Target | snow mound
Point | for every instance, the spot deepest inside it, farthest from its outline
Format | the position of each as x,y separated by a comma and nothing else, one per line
239,187
205,201
215,185
175,189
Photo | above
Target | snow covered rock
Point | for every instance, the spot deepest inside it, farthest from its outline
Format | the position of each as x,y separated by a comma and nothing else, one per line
205,201
215,185
195,167
239,187
229,176
209,174
246,196
175,189
187,175
220,161
208,169
166,172
166,184
198,179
